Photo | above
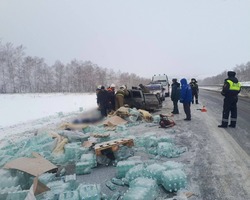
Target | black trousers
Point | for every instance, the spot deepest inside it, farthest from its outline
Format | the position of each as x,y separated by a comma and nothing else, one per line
195,95
186,107
176,110
229,106
104,110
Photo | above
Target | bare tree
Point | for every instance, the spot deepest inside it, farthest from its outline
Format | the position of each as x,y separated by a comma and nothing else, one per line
58,70
31,74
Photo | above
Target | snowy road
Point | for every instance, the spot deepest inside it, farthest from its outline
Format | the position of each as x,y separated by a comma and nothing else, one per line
219,166
214,101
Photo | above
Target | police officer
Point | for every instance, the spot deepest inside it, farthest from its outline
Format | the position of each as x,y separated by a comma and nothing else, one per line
230,91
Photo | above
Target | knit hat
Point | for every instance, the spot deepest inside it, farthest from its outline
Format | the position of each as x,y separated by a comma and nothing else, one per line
231,74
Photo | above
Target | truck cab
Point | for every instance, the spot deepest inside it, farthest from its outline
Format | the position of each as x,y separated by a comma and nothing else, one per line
157,89
163,79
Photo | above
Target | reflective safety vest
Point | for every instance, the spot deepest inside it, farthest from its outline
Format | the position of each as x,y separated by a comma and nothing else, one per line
234,86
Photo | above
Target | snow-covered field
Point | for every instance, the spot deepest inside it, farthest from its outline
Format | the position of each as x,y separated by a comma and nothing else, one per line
22,112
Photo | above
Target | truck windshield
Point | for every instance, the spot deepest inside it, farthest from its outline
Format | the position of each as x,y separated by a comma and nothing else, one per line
160,79
154,87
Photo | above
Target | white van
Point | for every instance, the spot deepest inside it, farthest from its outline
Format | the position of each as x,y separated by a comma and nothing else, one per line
163,79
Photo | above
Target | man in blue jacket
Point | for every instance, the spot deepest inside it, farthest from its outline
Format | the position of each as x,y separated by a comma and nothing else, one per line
186,98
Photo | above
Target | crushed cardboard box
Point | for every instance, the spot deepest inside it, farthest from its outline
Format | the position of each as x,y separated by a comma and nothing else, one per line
146,115
88,144
122,112
34,166
114,121
36,188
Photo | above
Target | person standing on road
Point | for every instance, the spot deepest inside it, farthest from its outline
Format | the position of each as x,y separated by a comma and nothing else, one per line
186,98
195,90
230,91
119,96
175,95
103,101
111,91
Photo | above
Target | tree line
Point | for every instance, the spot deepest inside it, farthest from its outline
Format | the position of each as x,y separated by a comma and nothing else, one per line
242,73
26,74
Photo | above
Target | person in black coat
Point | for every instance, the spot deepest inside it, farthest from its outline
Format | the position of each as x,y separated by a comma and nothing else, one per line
111,91
175,95
195,90
230,91
103,101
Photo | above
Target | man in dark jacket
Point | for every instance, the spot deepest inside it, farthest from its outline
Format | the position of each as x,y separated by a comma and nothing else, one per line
230,91
175,95
186,98
195,90
111,91
103,101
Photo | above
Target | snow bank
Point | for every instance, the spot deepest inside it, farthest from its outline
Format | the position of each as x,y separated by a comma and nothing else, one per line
20,108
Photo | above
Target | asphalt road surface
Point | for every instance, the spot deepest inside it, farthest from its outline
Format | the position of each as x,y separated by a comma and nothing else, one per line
214,101
217,161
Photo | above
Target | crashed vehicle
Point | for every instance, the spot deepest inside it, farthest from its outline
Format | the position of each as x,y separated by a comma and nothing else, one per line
157,89
139,100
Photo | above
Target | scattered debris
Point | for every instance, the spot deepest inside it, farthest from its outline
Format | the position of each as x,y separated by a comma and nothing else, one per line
203,109
165,122
113,145
83,147
34,166
114,121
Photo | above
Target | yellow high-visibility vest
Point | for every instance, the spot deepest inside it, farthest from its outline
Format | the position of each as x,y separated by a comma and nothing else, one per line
234,86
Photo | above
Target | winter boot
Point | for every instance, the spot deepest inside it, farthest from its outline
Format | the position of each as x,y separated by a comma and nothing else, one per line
196,101
232,124
223,125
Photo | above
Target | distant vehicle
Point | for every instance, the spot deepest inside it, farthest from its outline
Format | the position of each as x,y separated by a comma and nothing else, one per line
139,100
157,89
163,79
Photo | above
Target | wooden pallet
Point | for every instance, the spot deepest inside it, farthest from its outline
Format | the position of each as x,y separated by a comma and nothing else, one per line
113,145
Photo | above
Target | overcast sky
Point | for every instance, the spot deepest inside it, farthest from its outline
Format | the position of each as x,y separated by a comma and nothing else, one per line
181,38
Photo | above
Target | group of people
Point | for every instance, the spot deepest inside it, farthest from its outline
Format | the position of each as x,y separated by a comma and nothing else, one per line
188,93
109,100
185,93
